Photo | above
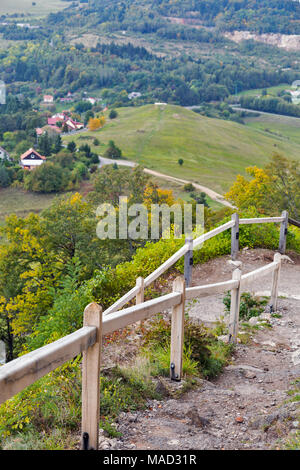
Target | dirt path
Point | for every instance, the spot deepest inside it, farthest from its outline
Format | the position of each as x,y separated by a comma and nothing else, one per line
248,406
212,194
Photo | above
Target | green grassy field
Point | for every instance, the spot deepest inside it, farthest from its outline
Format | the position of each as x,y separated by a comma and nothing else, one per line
271,90
214,151
284,127
42,7
20,202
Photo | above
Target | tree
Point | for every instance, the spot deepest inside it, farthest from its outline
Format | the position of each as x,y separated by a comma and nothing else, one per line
113,151
71,146
180,161
271,190
57,146
113,114
47,178
69,225
45,146
27,273
4,177
94,124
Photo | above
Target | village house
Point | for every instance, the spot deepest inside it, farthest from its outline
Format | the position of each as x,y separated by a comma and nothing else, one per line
51,130
48,99
4,155
74,125
65,120
31,159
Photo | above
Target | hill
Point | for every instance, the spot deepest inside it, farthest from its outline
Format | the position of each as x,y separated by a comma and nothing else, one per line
214,151
39,8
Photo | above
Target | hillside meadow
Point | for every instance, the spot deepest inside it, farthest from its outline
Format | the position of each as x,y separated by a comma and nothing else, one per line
214,151
40,9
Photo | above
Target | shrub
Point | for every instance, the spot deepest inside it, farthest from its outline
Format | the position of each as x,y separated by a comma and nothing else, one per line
250,306
113,114
189,187
47,178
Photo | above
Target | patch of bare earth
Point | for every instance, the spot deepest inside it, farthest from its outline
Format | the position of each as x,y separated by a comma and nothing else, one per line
248,405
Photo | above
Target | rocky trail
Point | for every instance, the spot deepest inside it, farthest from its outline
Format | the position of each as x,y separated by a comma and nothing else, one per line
249,405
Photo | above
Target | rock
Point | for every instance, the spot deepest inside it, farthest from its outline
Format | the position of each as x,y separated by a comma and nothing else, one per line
132,418
223,338
173,442
196,419
268,343
239,419
253,321
162,388
249,375
265,316
296,357
244,367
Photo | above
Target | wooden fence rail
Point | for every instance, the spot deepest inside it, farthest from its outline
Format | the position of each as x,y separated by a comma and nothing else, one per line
187,251
18,374
22,372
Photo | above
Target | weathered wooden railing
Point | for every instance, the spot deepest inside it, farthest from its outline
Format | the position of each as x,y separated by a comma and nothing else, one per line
187,251
22,372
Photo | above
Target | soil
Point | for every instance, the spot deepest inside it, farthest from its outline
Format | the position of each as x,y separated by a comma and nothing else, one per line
248,405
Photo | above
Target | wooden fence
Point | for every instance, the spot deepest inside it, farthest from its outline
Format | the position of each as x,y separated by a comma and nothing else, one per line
187,251
25,370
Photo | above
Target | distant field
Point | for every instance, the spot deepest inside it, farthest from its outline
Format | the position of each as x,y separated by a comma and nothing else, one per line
284,127
42,7
21,202
273,90
214,151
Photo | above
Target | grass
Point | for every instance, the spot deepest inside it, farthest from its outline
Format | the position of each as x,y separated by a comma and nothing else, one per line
270,90
282,127
21,203
214,151
42,7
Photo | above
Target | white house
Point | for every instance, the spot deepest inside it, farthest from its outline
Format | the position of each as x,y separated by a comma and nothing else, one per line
134,94
48,99
3,154
31,159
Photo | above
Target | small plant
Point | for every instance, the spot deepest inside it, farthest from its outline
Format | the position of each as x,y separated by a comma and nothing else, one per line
250,306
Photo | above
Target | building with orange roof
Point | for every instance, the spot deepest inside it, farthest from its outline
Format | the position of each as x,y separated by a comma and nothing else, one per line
31,159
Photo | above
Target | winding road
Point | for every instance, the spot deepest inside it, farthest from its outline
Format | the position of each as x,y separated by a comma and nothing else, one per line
212,194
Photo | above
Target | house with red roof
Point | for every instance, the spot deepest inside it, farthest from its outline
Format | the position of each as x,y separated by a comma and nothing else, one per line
48,99
74,125
31,159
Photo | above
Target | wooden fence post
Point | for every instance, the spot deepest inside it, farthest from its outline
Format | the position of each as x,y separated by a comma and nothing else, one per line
275,281
283,232
188,262
91,381
235,307
235,236
140,295
177,331
139,299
